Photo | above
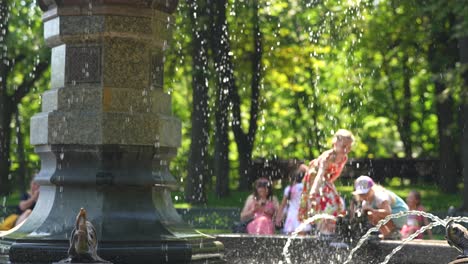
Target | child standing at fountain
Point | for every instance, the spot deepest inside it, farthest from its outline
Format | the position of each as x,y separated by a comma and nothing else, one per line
377,203
319,195
261,207
415,222
291,201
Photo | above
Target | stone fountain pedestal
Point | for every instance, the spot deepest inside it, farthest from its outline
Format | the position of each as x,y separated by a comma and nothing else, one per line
106,135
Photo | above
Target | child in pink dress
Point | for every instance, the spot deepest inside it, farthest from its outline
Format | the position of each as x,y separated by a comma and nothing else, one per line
319,195
261,206
415,222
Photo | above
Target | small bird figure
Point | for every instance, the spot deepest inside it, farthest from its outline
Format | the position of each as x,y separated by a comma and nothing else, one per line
83,242
457,237
84,236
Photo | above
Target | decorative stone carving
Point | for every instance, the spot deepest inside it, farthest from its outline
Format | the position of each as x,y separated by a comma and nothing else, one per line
83,64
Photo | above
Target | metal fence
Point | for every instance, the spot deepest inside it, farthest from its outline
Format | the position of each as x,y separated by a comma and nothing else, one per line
426,170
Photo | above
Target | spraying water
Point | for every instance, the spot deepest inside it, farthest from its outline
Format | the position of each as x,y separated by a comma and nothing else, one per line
300,228
411,237
422,229
436,222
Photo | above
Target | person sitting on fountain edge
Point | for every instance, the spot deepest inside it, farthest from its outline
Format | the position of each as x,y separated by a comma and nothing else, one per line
28,201
260,209
377,203
319,195
26,205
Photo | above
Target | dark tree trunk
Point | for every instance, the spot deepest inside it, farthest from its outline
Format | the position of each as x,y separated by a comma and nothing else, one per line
22,170
314,130
245,166
463,48
6,110
220,51
226,69
442,56
198,155
402,107
6,113
221,159
245,141
401,114
447,157
405,117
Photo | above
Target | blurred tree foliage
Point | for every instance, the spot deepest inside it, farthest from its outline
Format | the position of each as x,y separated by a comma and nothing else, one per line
23,76
361,65
389,70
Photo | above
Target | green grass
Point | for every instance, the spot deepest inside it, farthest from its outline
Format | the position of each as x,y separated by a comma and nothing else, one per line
433,199
235,199
12,200
214,231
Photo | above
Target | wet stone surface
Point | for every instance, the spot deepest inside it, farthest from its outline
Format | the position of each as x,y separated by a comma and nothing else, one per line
269,249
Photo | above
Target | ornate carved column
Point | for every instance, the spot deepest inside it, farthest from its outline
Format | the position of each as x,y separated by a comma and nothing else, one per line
106,135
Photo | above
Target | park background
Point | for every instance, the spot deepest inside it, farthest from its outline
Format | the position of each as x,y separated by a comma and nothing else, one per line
262,82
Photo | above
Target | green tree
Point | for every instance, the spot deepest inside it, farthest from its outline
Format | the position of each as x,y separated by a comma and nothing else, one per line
220,46
324,65
245,140
23,62
463,44
397,81
442,56
198,155
461,13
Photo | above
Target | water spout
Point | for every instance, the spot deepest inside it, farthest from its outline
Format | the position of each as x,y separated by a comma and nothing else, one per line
299,229
386,220
411,237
